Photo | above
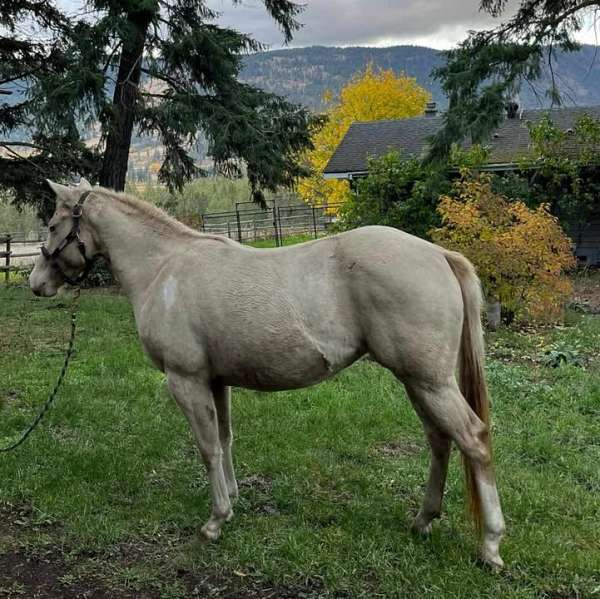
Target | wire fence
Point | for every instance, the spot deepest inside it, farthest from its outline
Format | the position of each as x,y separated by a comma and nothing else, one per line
248,224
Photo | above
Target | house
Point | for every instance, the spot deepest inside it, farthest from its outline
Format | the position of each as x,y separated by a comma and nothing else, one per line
509,143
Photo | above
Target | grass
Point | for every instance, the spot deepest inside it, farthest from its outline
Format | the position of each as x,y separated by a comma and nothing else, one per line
331,476
288,240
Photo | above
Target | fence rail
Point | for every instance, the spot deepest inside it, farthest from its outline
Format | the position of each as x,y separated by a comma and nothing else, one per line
246,224
276,222
16,253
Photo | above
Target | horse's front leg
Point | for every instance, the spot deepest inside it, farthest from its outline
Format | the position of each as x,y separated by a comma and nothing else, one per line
195,398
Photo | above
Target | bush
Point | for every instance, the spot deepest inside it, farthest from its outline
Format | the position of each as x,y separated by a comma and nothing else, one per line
99,275
398,193
521,254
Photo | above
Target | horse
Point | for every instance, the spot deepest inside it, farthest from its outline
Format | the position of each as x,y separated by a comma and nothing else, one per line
213,314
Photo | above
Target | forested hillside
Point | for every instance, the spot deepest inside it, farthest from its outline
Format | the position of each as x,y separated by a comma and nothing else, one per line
304,74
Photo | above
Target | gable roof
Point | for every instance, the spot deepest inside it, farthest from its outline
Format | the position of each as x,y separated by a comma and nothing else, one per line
509,142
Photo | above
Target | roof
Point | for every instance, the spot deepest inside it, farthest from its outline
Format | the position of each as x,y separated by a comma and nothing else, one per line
509,142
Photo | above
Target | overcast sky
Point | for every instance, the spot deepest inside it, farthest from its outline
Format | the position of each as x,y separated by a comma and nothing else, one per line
434,23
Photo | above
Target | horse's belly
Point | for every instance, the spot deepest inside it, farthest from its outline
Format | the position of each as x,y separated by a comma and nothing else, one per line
279,368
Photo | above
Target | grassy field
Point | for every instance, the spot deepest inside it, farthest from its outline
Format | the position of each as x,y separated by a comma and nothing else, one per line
105,499
289,240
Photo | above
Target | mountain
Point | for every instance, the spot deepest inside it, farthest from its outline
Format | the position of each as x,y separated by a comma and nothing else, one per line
304,74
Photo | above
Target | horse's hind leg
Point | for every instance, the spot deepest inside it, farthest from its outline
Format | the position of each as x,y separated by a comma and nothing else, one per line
222,395
448,411
431,507
195,398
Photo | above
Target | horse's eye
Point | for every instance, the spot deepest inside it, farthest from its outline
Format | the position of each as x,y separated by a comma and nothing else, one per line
51,228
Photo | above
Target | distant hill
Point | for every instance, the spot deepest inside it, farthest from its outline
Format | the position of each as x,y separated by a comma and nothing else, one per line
304,74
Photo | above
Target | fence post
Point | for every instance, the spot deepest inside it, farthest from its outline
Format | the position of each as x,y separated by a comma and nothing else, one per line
228,229
281,234
279,227
239,225
7,259
275,226
314,221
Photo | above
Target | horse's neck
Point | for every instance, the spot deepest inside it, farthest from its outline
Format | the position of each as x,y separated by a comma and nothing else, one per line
136,248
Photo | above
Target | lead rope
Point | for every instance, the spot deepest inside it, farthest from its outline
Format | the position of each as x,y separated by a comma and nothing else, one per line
61,376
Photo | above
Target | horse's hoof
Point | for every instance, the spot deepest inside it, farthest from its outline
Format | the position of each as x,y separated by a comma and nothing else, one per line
210,532
493,562
420,529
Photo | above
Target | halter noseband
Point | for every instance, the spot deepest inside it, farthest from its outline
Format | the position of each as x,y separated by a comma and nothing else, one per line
73,235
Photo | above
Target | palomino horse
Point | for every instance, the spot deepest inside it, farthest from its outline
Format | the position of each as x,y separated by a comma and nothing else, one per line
213,314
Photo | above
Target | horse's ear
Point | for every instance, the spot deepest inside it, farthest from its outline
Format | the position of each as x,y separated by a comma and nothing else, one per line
84,184
63,193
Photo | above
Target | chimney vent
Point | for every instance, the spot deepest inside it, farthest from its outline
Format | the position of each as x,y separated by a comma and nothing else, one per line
430,109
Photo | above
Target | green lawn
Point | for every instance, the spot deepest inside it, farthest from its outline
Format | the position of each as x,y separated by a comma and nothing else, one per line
109,494
287,240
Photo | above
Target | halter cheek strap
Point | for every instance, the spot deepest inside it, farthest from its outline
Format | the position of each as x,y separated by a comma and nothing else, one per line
72,236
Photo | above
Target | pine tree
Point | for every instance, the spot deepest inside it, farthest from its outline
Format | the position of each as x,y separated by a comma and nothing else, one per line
155,67
482,75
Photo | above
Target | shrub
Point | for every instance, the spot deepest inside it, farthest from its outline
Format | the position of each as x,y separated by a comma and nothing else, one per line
398,193
99,276
521,254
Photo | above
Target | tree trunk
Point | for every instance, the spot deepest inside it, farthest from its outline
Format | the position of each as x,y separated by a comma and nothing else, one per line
118,139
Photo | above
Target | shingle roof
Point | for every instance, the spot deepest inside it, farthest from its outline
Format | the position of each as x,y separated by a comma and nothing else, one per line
508,143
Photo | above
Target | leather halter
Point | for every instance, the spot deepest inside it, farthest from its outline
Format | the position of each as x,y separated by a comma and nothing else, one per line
72,236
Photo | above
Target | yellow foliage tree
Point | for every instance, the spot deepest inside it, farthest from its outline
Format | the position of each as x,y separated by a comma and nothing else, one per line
521,254
371,95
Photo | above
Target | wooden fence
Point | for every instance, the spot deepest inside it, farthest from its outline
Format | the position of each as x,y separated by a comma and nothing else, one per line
17,253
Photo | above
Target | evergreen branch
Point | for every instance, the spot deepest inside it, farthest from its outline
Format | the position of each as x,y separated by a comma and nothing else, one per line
110,57
20,156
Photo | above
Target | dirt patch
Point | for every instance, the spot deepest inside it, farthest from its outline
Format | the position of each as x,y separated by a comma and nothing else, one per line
52,569
47,577
261,492
398,449
257,483
244,587
11,395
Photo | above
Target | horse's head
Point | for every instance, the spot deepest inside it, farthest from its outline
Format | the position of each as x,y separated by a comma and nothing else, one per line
70,245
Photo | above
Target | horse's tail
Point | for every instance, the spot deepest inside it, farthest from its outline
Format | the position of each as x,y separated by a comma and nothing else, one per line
471,367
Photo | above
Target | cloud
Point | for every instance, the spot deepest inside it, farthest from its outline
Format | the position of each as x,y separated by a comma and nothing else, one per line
434,23
438,23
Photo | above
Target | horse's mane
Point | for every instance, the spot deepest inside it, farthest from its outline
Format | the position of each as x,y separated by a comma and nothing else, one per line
150,214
